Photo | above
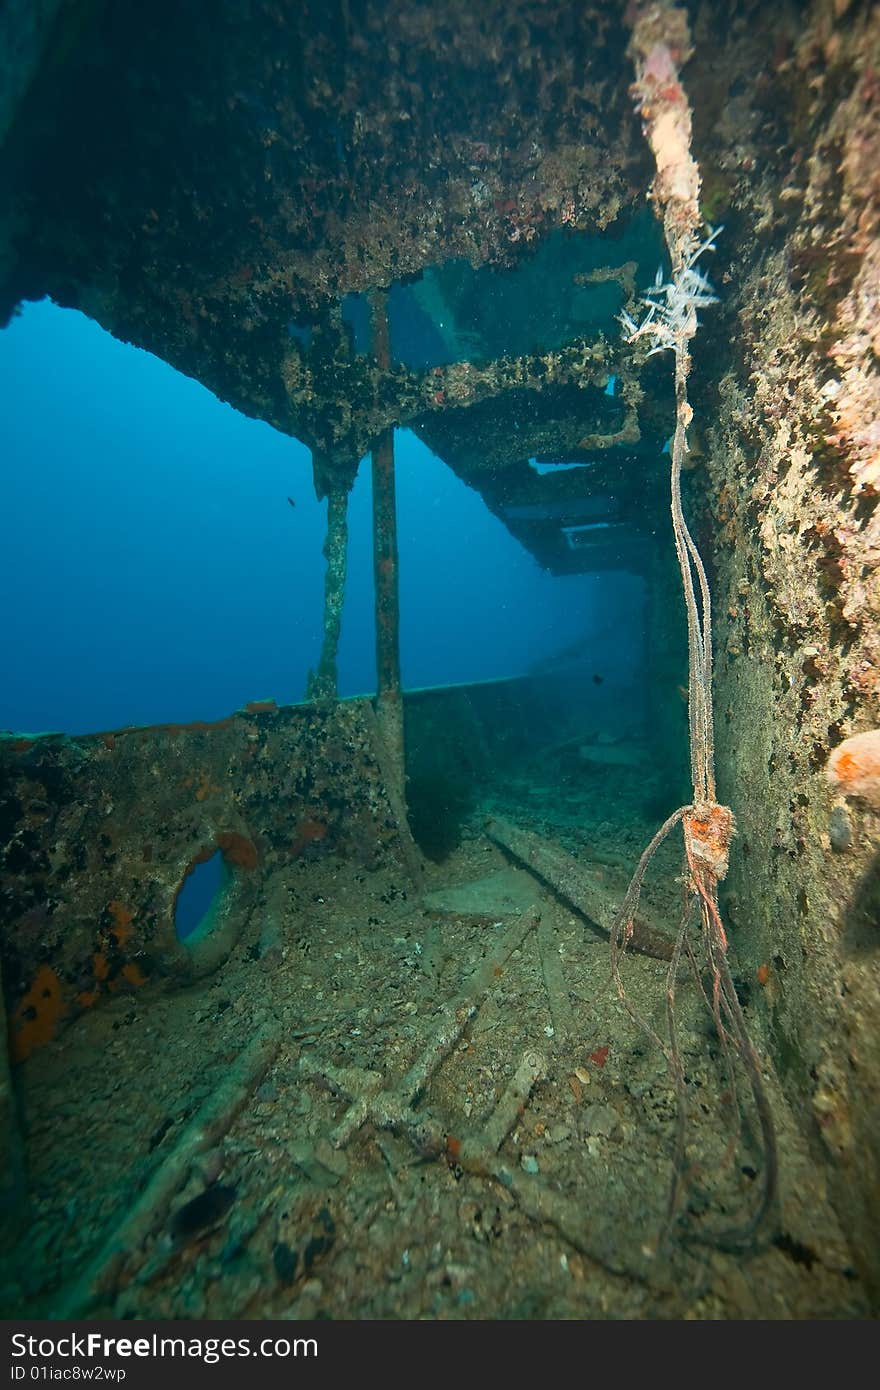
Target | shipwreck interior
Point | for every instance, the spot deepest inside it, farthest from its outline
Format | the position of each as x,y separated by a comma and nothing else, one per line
351,1007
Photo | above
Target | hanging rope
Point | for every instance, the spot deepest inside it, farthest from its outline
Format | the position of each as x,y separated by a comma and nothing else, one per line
660,44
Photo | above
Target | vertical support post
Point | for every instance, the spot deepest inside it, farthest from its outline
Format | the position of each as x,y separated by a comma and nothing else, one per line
386,570
389,702
389,695
385,526
323,683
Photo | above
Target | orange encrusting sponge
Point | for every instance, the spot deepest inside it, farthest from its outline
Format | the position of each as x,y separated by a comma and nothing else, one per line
854,766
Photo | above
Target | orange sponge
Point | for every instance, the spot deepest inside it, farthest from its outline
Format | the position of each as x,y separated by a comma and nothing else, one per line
854,766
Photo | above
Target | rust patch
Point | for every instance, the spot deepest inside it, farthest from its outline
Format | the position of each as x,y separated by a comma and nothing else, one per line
308,832
207,788
237,849
35,1019
122,929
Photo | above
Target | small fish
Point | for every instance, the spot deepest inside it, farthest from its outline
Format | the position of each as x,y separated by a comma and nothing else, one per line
291,501
597,680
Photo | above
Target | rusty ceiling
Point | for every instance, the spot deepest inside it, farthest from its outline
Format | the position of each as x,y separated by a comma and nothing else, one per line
228,185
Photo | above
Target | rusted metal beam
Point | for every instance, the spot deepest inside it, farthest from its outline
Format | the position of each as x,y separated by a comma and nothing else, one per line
595,892
385,529
385,563
389,698
323,683
368,398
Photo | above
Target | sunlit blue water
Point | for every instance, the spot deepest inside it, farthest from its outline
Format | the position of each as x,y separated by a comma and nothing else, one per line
152,568
201,889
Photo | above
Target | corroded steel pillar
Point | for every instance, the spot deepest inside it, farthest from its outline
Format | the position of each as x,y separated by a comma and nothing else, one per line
389,701
386,569
385,527
323,683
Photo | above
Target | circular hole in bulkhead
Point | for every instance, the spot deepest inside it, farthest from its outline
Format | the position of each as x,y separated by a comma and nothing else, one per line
200,896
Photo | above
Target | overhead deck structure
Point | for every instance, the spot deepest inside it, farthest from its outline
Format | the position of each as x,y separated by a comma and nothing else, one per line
225,185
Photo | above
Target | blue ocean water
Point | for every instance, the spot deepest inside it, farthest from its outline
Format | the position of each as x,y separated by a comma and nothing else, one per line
153,569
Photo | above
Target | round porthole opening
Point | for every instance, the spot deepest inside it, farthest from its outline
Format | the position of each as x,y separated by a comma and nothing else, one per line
200,897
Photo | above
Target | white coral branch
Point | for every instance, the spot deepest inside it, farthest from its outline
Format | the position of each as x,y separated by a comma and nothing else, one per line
670,317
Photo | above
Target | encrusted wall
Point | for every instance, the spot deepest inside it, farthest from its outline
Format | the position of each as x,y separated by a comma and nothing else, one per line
794,460
100,832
